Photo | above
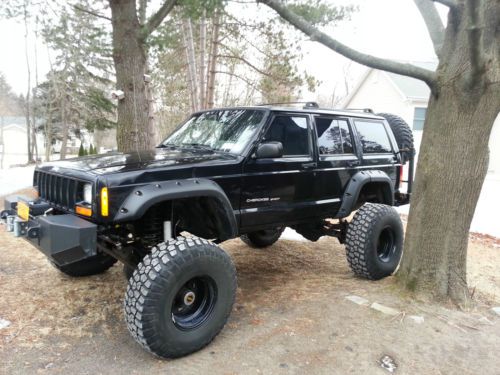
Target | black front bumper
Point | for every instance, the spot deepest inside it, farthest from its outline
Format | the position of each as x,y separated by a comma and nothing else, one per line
64,239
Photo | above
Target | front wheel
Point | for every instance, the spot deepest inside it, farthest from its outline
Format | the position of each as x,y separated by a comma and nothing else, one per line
374,241
180,296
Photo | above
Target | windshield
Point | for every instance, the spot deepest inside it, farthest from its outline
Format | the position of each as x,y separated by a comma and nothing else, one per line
221,130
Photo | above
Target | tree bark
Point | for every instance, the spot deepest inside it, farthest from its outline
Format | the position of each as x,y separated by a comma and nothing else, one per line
453,161
64,127
129,56
203,68
212,66
28,92
191,62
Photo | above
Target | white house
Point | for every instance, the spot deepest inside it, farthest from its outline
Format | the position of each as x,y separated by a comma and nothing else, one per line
408,98
13,142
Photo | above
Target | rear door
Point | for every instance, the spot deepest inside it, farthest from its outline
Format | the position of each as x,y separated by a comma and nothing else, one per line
280,190
338,160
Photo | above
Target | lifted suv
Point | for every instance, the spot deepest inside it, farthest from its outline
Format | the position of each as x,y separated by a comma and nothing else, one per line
247,172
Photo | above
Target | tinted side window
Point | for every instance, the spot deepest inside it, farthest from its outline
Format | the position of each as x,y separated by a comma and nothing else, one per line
334,136
373,137
292,132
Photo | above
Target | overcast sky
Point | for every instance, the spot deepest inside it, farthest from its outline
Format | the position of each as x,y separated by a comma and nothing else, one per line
386,28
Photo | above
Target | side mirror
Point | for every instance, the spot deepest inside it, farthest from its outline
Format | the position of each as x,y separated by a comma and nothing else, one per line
269,150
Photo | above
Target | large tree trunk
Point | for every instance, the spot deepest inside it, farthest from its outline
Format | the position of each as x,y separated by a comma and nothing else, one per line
453,159
129,55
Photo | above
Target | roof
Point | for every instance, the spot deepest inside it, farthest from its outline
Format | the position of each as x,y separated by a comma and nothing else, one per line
409,88
13,120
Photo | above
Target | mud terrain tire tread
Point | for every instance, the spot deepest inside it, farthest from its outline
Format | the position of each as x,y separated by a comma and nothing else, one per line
157,273
362,236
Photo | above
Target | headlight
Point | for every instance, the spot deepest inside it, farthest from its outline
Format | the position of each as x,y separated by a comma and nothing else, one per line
87,193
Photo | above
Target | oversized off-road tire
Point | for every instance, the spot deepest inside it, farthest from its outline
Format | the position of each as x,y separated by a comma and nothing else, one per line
403,134
262,238
180,296
89,266
374,241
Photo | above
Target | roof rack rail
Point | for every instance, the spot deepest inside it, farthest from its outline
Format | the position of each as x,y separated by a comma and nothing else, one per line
306,104
364,110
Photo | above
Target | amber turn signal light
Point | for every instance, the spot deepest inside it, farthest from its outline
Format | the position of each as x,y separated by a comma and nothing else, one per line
85,211
104,201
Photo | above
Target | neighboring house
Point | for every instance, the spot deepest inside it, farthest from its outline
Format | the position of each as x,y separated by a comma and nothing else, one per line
13,141
408,98
14,149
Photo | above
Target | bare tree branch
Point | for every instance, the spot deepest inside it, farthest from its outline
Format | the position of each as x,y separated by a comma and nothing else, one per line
433,22
95,14
247,81
242,59
409,70
156,19
449,3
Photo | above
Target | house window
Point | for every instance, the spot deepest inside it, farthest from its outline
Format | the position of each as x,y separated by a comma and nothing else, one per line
419,118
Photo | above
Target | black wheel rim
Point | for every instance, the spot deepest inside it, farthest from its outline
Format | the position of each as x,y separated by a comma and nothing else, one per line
194,302
386,244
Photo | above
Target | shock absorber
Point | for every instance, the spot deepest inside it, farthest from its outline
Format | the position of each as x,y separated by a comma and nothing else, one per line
151,226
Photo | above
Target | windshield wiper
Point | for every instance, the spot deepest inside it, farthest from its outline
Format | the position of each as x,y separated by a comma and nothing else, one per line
199,146
165,145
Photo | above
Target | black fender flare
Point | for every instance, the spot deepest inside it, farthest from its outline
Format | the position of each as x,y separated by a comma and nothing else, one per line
355,185
141,198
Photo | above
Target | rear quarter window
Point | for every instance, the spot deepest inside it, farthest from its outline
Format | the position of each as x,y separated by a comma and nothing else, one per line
373,136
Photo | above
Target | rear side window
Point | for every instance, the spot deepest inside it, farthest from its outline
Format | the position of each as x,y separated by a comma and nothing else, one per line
334,136
373,137
292,132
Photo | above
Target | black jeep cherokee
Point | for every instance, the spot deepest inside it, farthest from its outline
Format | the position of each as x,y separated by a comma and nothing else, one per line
247,172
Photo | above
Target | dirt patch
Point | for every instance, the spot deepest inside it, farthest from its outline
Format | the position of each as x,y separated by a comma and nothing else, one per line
291,316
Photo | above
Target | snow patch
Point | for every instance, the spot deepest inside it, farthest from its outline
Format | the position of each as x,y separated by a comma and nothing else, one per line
290,234
4,323
14,179
384,309
358,300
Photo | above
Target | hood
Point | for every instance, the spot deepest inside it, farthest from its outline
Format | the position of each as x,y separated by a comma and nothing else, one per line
123,162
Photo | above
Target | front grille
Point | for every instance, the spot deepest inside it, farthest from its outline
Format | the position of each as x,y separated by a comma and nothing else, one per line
63,192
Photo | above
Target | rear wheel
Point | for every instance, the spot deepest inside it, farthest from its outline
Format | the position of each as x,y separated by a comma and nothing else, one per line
94,265
262,238
180,296
374,241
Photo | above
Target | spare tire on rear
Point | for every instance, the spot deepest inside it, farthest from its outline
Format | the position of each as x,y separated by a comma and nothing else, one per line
403,134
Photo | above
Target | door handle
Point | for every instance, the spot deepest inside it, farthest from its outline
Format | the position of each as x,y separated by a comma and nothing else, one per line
309,165
353,163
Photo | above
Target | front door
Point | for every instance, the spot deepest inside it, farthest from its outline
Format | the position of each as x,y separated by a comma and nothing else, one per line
280,190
